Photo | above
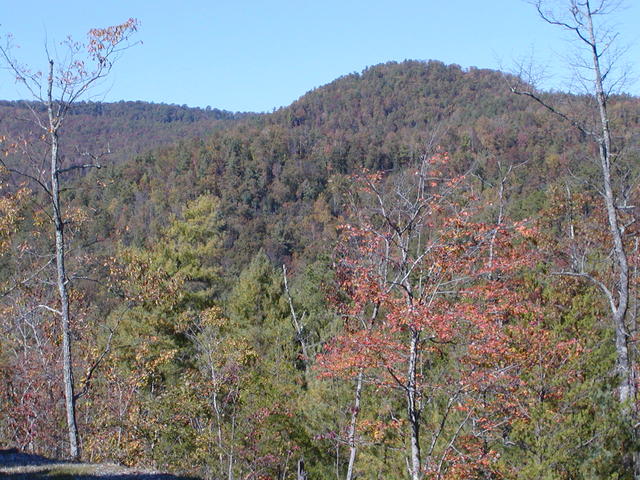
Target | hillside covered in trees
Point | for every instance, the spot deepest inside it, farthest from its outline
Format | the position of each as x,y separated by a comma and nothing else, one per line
123,129
407,273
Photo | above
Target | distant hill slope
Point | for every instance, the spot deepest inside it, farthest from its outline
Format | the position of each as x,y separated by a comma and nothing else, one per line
126,129
278,174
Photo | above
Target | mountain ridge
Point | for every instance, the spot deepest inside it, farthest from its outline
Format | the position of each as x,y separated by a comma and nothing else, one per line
270,169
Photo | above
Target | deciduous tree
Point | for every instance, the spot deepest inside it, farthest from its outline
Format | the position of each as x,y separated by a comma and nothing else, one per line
596,67
64,83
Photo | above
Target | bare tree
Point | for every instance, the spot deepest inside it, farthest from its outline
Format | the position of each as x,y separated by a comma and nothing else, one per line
298,323
595,70
65,82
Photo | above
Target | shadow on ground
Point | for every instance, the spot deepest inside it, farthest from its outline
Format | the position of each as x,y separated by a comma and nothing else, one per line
44,475
15,465
13,458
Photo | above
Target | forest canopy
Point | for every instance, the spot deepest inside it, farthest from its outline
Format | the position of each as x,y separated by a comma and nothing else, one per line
417,271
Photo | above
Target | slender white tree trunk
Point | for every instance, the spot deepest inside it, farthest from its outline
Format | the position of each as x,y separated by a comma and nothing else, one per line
627,387
581,14
627,390
413,406
351,435
61,280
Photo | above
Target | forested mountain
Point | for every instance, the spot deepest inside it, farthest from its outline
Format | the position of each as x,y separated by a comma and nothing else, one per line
422,213
275,173
125,129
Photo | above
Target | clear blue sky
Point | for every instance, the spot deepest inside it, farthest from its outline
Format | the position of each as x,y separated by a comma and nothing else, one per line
250,55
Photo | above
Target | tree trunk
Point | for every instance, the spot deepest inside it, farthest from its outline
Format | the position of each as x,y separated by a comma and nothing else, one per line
296,323
624,363
413,406
301,474
61,280
351,436
619,311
